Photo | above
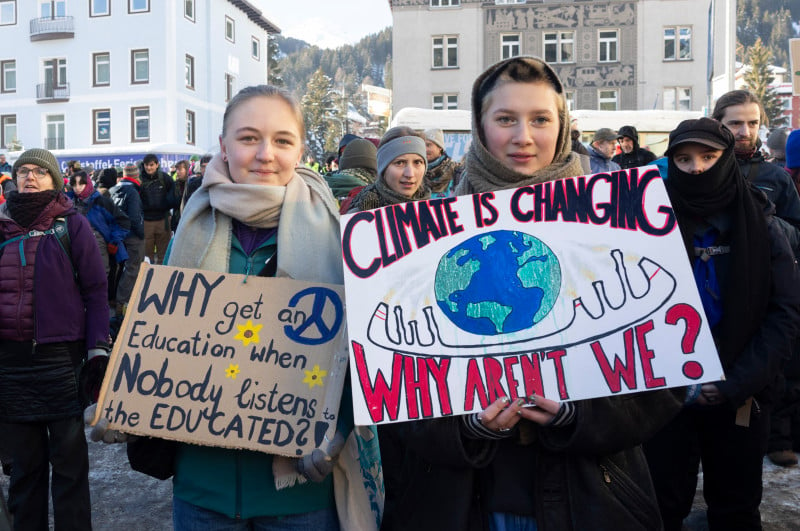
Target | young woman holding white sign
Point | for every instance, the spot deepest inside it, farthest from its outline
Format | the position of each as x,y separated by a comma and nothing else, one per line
748,283
532,463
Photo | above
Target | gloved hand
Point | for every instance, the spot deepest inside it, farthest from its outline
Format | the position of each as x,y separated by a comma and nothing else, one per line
92,374
100,431
317,465
112,248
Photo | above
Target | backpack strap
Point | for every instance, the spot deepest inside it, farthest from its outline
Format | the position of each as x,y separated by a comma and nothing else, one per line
59,229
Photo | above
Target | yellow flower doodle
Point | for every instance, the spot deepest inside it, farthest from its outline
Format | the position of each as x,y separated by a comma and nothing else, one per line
232,371
248,333
315,377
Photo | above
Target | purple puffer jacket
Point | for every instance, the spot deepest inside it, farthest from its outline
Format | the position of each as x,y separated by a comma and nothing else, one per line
42,299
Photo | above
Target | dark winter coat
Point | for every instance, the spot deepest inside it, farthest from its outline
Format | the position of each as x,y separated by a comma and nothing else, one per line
57,302
126,196
638,156
104,216
590,474
158,194
774,182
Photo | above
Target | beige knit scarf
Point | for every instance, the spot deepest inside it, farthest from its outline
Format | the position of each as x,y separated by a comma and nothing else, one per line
485,173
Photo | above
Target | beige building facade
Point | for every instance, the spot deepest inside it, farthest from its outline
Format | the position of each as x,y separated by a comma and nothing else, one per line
611,55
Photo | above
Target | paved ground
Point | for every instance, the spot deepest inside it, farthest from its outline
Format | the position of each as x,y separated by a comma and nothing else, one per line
123,499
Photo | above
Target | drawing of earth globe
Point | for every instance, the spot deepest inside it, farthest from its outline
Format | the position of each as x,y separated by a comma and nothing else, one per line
498,282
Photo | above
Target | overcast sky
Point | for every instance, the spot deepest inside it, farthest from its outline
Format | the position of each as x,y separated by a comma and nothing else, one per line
328,23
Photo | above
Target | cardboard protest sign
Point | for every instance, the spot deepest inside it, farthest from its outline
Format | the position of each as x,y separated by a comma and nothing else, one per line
571,289
226,360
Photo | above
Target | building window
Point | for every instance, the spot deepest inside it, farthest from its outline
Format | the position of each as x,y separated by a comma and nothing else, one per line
228,87
140,124
559,47
445,101
99,8
230,29
509,45
188,9
445,3
255,49
190,127
8,130
55,74
678,98
138,6
445,51
101,118
188,71
8,12
8,76
569,95
52,8
607,100
678,43
140,67
608,45
54,125
102,69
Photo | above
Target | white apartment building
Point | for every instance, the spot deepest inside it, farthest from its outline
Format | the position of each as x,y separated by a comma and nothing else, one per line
106,81
610,54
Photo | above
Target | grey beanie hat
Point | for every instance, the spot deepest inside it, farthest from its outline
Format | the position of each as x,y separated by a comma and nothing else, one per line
402,145
776,142
359,153
43,159
436,136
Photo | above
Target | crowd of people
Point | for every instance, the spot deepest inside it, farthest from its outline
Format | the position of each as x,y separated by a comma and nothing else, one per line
618,462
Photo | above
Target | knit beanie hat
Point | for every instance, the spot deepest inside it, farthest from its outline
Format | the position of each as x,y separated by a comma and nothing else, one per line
436,136
396,147
776,142
131,170
359,153
43,159
346,139
108,178
793,149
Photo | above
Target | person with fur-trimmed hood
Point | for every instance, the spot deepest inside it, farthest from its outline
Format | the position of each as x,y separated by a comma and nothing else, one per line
443,172
632,155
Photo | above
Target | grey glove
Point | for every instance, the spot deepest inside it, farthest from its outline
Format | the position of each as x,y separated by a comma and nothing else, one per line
100,431
317,465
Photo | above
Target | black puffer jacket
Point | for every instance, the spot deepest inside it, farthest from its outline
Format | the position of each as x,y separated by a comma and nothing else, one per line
637,157
774,182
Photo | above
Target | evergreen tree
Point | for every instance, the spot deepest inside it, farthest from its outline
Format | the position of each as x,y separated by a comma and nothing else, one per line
758,80
321,115
273,66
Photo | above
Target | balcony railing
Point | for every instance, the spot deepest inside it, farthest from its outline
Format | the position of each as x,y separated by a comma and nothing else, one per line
56,142
49,93
43,29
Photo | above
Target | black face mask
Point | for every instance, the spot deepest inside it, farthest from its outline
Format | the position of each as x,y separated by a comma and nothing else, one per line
704,193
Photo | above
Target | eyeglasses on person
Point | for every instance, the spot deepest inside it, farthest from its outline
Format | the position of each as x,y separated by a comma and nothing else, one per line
36,172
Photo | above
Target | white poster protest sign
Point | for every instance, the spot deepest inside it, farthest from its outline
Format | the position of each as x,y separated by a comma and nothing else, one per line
570,289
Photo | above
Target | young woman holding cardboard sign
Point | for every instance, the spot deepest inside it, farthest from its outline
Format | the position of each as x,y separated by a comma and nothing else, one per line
532,463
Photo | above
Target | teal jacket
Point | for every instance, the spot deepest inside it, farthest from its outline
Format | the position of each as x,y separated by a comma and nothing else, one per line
239,483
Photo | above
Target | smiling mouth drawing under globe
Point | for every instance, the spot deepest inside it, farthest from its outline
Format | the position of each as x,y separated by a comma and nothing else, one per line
499,300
